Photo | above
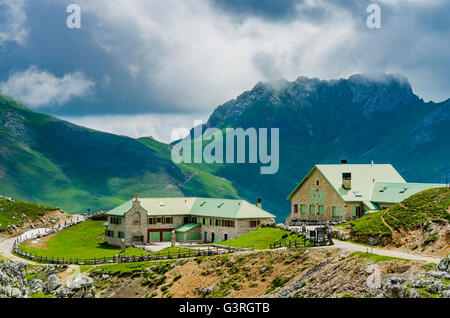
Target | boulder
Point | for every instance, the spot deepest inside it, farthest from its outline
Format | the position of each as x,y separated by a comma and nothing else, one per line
80,282
53,282
436,288
444,265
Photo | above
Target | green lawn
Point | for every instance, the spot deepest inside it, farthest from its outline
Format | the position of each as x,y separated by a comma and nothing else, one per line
263,238
19,212
85,240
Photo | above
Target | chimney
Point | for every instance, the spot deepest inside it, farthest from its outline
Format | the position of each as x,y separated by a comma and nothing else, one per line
344,161
347,180
259,203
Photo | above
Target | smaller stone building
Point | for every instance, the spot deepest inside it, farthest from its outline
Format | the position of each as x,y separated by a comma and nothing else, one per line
192,219
348,191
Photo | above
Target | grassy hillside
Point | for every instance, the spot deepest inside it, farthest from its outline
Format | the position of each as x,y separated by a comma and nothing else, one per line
427,206
50,161
18,212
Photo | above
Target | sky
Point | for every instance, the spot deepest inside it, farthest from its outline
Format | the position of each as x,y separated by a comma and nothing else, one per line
147,67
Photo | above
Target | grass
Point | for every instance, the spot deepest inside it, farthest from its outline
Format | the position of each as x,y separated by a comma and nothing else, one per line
85,240
262,238
376,258
18,212
429,205
370,224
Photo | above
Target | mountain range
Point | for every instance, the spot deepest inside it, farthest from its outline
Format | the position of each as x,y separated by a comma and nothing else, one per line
47,160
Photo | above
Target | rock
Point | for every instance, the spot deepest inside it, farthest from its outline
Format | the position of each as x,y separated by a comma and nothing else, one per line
263,270
420,283
414,293
397,280
446,294
37,286
444,265
105,276
53,282
16,293
63,292
436,288
436,274
207,291
80,282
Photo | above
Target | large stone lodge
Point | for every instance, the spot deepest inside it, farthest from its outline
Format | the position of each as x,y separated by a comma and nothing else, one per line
192,219
347,191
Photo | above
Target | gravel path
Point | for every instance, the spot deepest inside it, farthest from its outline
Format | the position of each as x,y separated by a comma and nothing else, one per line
361,248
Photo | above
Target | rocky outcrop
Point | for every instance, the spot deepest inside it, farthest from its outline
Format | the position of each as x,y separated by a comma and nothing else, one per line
14,282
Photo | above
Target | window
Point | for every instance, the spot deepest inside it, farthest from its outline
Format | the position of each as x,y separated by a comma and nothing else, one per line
159,220
295,208
109,233
317,196
357,194
333,211
340,213
403,190
304,208
217,222
321,210
227,223
167,220
136,218
116,221
383,189
120,234
210,222
204,221
255,223
354,211
317,182
312,209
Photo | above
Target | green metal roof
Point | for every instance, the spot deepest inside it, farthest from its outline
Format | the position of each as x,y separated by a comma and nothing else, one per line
386,192
121,209
364,177
187,227
207,207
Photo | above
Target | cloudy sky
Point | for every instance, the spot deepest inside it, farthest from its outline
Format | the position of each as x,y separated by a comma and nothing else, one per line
145,67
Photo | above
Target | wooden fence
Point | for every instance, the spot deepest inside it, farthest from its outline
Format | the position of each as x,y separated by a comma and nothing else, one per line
123,258
302,244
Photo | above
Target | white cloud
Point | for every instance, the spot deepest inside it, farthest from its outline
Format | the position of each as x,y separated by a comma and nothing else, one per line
12,21
193,57
159,126
38,88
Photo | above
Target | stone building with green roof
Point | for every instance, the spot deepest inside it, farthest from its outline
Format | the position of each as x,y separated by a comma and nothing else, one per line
347,191
192,219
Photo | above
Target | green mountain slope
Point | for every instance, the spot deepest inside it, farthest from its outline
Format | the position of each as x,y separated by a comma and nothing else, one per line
50,161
